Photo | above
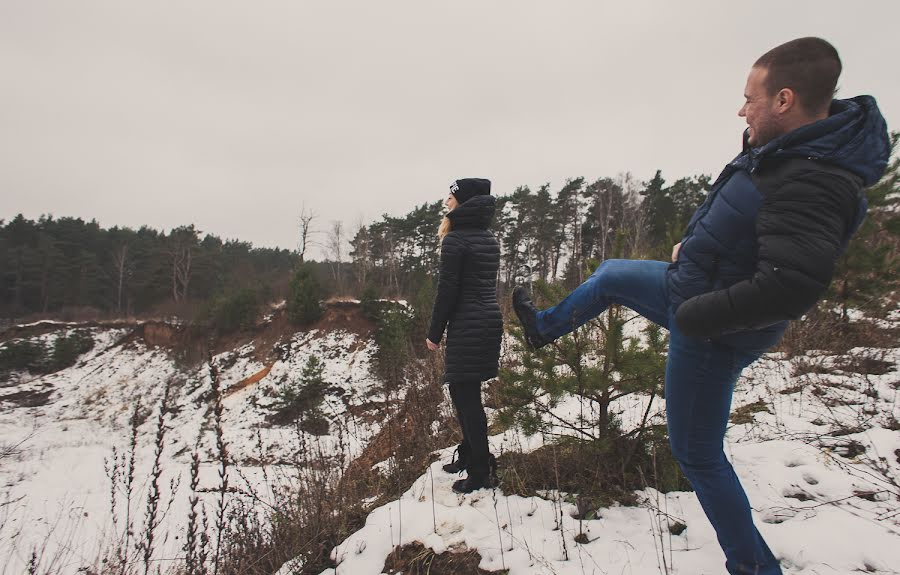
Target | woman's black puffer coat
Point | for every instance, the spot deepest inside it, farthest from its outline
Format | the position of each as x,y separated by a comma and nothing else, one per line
467,294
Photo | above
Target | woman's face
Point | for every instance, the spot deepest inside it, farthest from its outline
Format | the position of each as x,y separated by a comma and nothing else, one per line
450,203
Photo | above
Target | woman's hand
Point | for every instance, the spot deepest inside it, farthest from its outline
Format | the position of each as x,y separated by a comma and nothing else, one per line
431,345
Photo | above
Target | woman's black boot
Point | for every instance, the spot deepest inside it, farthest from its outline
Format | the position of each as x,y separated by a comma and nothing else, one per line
478,480
460,460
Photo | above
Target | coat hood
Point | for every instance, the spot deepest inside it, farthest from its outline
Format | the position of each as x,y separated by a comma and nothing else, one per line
854,137
476,212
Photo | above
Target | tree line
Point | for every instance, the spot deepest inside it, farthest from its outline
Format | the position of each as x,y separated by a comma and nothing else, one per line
54,264
554,231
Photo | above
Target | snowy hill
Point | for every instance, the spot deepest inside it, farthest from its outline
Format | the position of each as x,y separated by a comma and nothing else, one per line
58,431
815,440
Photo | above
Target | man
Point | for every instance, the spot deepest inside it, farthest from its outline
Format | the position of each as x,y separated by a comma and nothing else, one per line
760,251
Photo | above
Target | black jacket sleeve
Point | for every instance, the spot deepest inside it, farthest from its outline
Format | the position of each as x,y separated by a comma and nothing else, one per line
452,256
800,229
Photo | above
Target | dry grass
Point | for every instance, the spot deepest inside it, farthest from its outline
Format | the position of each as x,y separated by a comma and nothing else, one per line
744,414
826,331
331,498
594,474
416,559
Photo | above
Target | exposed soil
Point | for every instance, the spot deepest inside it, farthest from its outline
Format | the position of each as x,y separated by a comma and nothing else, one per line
820,331
416,559
595,474
160,334
744,414
408,435
255,378
346,315
28,398
866,365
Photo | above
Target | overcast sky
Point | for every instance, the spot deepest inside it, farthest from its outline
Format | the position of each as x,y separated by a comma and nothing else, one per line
231,115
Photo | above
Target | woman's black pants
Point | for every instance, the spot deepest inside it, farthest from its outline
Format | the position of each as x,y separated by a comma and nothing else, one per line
466,398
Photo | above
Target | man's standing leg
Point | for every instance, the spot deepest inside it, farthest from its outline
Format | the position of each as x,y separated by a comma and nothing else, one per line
700,378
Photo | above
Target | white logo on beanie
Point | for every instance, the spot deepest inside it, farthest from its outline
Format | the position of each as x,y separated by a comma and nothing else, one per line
454,188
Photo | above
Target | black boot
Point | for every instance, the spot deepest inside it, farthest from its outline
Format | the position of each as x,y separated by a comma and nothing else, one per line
527,314
460,460
474,482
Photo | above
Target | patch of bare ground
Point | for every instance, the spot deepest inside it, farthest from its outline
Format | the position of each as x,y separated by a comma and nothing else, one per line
407,435
803,366
745,413
367,412
865,365
416,559
346,315
248,381
28,398
823,330
596,474
266,337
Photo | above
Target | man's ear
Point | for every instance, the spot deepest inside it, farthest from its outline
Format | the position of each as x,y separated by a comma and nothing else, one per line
785,100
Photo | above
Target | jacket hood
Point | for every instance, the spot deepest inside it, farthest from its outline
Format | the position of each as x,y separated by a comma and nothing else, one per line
476,212
854,137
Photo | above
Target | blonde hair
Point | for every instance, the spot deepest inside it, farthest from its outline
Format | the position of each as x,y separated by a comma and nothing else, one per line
444,228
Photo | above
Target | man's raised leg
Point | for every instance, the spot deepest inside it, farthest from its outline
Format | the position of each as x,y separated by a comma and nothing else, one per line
637,284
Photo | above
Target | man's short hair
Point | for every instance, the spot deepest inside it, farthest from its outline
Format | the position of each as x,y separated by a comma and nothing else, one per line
808,66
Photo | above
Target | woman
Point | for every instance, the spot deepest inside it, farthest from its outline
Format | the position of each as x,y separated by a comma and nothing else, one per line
467,301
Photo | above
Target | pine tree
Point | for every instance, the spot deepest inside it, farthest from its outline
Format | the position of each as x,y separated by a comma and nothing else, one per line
660,210
304,302
686,196
567,213
594,363
870,268
301,400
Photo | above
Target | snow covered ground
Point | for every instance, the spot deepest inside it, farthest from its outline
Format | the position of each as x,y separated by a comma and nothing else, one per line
818,450
54,485
819,457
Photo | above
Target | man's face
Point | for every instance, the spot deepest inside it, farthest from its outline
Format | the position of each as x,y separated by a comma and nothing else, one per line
760,109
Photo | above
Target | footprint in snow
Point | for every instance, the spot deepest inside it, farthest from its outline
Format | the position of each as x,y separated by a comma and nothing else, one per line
779,515
797,493
449,527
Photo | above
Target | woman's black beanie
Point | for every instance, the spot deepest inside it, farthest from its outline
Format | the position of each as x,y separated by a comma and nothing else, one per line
469,188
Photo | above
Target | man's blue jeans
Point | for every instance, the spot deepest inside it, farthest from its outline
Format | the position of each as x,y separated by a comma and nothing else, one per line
700,378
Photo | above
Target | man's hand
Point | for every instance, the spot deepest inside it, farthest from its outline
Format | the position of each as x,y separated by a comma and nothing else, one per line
675,249
431,345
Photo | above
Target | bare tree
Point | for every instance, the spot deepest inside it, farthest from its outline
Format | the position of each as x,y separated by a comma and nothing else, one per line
577,257
335,247
604,214
392,264
307,217
634,217
120,260
182,242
